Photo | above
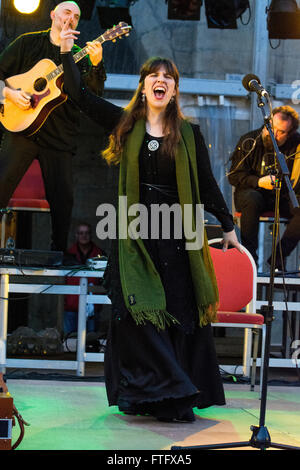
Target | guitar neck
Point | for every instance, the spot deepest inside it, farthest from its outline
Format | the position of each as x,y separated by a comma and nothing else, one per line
83,52
77,57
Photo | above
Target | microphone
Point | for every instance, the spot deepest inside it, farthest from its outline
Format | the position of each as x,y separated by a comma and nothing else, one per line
252,83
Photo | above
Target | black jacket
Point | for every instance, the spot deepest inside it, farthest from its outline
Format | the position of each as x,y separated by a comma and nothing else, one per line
248,156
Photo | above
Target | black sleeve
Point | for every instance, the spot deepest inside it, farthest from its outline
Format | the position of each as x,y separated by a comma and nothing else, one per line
93,76
11,58
242,173
210,193
98,109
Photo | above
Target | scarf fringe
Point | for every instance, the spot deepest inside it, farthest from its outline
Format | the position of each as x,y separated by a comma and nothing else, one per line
208,314
159,318
162,318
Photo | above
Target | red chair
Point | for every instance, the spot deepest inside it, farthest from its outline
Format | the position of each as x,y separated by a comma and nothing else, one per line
28,196
236,278
30,193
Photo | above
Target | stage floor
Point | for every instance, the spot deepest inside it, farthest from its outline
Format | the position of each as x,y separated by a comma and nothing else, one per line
73,415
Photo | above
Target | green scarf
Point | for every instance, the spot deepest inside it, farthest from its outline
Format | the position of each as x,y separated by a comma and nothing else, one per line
143,291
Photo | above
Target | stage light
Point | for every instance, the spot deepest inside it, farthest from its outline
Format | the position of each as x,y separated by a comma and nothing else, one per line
283,20
187,10
222,14
26,6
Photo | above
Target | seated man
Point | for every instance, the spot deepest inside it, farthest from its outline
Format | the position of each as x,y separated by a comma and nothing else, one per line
254,187
83,249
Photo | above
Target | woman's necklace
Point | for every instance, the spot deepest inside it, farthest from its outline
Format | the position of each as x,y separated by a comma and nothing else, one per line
153,145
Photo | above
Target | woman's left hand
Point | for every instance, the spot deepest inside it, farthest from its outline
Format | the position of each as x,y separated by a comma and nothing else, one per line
230,238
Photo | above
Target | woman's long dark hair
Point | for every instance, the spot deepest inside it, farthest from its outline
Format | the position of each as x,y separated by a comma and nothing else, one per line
137,109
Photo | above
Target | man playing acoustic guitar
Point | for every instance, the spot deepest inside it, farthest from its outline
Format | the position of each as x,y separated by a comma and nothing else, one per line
53,144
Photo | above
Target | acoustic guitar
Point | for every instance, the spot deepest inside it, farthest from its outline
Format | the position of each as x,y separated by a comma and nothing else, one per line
43,83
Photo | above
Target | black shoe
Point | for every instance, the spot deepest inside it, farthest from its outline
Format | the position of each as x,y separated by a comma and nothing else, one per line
133,410
187,417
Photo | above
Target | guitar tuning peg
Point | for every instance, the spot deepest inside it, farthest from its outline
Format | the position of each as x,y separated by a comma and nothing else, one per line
127,34
114,40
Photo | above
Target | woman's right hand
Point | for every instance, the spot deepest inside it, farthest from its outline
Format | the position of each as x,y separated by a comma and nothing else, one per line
67,37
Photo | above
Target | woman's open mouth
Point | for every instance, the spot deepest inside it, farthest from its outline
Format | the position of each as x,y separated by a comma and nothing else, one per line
159,92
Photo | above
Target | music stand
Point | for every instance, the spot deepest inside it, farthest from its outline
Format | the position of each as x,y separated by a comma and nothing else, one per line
261,438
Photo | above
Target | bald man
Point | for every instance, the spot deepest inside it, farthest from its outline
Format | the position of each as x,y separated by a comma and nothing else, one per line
55,142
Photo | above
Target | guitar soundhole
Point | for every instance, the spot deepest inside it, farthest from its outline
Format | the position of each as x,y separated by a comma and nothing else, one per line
40,84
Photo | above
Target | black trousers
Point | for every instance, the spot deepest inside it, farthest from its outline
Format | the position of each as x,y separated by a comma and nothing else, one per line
252,203
16,155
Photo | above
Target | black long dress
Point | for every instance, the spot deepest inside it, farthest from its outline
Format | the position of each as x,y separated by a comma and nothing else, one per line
162,373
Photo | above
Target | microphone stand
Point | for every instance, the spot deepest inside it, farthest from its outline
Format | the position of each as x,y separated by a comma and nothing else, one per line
261,438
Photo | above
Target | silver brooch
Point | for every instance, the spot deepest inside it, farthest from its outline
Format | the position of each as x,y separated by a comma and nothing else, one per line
153,145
